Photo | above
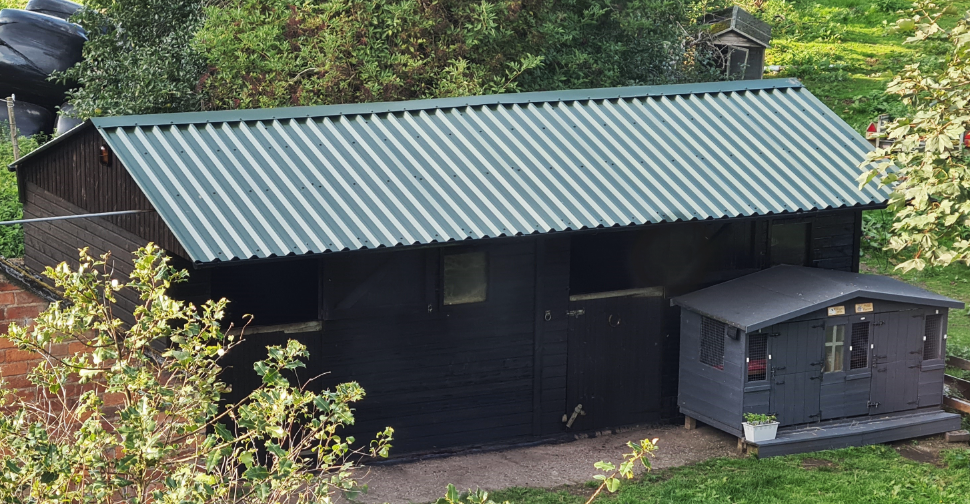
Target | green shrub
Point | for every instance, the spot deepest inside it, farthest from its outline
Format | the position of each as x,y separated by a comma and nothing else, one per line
167,438
11,237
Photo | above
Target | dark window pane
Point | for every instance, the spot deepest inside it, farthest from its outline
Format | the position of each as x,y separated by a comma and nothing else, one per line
789,244
466,279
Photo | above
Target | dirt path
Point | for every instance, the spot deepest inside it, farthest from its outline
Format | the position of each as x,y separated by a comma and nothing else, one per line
545,466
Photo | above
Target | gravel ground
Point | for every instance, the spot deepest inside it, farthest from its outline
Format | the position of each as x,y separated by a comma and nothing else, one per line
547,466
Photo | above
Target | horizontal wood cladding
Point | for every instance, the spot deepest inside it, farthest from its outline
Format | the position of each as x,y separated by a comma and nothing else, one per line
73,172
443,376
50,243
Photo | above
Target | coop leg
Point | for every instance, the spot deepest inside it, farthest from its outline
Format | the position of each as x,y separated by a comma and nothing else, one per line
690,423
741,446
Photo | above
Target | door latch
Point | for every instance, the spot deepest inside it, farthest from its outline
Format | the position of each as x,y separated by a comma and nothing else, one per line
578,410
575,313
872,404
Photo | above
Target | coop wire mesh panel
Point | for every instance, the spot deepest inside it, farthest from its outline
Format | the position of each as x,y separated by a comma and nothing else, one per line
932,337
712,342
757,357
859,357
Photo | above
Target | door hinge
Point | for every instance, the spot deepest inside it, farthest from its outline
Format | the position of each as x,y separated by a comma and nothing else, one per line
818,326
914,366
880,323
816,363
817,415
883,370
913,402
872,404
575,313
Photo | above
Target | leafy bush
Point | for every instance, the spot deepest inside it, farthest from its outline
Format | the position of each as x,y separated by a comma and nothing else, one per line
164,437
927,166
139,58
758,418
268,53
11,237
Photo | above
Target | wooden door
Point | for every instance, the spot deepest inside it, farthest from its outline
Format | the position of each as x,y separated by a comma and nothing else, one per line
896,353
795,372
614,362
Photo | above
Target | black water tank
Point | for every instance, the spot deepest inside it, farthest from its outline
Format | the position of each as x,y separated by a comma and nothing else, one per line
31,119
65,123
32,45
57,8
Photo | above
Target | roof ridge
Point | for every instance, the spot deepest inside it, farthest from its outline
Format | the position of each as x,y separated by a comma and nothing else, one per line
268,114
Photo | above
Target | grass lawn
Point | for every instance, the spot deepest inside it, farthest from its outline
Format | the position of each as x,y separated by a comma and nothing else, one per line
845,51
874,474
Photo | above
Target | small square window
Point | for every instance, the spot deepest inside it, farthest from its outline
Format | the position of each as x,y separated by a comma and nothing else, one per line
466,278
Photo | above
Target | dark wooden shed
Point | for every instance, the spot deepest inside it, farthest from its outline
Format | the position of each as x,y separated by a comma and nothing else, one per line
858,358
483,266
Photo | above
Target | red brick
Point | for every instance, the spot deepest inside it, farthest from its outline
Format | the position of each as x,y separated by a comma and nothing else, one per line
23,297
17,313
6,286
76,348
59,350
5,343
18,382
4,326
17,368
15,355
114,399
8,298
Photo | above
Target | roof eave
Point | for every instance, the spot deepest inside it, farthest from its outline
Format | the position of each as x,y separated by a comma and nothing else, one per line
945,302
71,133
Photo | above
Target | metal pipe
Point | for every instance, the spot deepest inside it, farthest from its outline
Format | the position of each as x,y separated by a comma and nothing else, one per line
79,216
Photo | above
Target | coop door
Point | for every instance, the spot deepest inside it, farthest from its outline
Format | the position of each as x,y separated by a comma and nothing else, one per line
795,372
614,363
897,349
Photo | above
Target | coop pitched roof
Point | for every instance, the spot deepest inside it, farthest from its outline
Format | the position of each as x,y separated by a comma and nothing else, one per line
736,19
277,182
781,293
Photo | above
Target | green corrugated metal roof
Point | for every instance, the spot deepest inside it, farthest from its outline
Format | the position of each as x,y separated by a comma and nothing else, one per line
276,182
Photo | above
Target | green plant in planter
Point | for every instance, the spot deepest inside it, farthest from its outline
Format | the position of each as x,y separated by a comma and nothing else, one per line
759,418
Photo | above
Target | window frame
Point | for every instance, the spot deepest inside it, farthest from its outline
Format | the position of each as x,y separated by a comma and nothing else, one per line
830,323
700,345
809,260
442,303
747,358
940,358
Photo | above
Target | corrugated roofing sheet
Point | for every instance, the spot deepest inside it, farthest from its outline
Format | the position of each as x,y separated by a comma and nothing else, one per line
781,293
276,182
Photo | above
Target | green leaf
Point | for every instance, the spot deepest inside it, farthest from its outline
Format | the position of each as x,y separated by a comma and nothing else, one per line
256,473
612,485
223,432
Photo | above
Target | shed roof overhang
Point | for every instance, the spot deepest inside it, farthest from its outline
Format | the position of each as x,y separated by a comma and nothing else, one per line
253,184
781,293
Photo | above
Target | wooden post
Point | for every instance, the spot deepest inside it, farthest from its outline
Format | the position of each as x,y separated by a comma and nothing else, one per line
690,423
13,128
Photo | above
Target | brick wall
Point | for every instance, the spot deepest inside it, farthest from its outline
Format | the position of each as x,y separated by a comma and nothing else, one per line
22,298
19,304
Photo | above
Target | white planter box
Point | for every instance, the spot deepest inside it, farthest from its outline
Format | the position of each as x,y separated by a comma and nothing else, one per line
763,432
